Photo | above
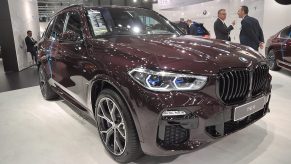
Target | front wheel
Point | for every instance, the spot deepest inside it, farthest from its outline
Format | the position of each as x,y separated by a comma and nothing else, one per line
45,87
272,61
116,127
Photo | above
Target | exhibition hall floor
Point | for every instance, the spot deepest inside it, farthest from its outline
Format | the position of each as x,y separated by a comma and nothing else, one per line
17,80
35,131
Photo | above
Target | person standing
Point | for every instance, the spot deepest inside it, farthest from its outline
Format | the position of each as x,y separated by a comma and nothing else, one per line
192,27
31,46
251,33
183,26
221,30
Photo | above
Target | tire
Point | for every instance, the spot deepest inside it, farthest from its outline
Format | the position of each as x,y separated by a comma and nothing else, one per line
45,87
116,127
272,61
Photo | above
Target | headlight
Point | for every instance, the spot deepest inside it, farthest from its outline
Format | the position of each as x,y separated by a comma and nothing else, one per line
167,81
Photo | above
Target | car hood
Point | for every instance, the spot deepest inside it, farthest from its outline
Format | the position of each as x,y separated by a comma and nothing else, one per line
187,54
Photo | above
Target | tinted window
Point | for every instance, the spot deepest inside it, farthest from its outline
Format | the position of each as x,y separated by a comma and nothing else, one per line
59,25
74,23
286,33
49,29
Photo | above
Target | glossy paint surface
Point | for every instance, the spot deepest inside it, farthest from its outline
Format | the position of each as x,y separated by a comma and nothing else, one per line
74,67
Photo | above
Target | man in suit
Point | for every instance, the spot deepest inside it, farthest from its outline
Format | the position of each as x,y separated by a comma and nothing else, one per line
221,30
251,33
31,46
183,26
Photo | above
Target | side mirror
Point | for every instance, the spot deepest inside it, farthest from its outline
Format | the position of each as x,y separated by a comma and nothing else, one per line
70,36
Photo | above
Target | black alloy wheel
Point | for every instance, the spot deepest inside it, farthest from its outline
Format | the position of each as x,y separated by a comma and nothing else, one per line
116,127
45,87
271,57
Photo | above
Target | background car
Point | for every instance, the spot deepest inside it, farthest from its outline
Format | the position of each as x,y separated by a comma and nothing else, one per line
278,50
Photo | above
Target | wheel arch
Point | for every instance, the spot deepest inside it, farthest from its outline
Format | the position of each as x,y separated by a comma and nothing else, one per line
100,84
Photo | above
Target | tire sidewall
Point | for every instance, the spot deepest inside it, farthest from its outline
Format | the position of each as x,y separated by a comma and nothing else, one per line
107,93
274,65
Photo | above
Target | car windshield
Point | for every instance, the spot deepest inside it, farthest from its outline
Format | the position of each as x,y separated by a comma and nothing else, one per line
129,21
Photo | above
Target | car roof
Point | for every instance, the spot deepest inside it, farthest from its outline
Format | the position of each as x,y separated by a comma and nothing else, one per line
97,7
105,6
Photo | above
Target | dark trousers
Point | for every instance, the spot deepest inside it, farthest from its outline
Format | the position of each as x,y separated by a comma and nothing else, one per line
34,56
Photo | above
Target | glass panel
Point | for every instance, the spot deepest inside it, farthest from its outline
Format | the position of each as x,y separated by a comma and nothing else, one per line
97,22
286,33
74,23
59,26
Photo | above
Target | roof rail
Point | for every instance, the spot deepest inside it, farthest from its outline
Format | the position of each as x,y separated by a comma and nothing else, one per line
73,5
77,5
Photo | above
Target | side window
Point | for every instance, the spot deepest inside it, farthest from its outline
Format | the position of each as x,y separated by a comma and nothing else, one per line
49,29
97,22
148,21
59,26
286,33
151,23
74,23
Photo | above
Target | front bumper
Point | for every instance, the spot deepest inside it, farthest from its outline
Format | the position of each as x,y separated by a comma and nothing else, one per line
207,119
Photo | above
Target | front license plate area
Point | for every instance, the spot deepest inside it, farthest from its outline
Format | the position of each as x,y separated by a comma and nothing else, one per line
247,109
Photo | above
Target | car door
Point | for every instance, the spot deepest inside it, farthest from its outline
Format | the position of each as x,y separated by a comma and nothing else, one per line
52,48
70,59
44,48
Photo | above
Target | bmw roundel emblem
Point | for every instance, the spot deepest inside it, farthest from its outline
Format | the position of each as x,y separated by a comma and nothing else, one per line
243,59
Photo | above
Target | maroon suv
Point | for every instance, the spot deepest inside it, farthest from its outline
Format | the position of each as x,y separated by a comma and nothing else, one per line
150,89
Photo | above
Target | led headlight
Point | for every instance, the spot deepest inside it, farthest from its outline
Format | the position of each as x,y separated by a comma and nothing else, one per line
167,81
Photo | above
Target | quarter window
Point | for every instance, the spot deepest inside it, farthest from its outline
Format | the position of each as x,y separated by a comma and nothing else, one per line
97,22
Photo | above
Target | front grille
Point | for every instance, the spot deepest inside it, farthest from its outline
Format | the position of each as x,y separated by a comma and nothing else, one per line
234,85
174,135
260,78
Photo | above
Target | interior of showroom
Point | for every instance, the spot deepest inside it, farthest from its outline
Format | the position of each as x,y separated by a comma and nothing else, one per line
145,81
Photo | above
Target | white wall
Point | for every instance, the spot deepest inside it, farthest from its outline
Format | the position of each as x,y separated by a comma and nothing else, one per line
24,16
276,17
195,12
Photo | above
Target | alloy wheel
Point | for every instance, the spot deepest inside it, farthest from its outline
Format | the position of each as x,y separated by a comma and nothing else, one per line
111,126
271,60
42,82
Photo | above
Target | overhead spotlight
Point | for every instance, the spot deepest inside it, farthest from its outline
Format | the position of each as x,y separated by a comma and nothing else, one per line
134,1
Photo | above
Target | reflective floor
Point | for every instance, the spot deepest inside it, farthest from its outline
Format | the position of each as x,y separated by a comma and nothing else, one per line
17,80
35,131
